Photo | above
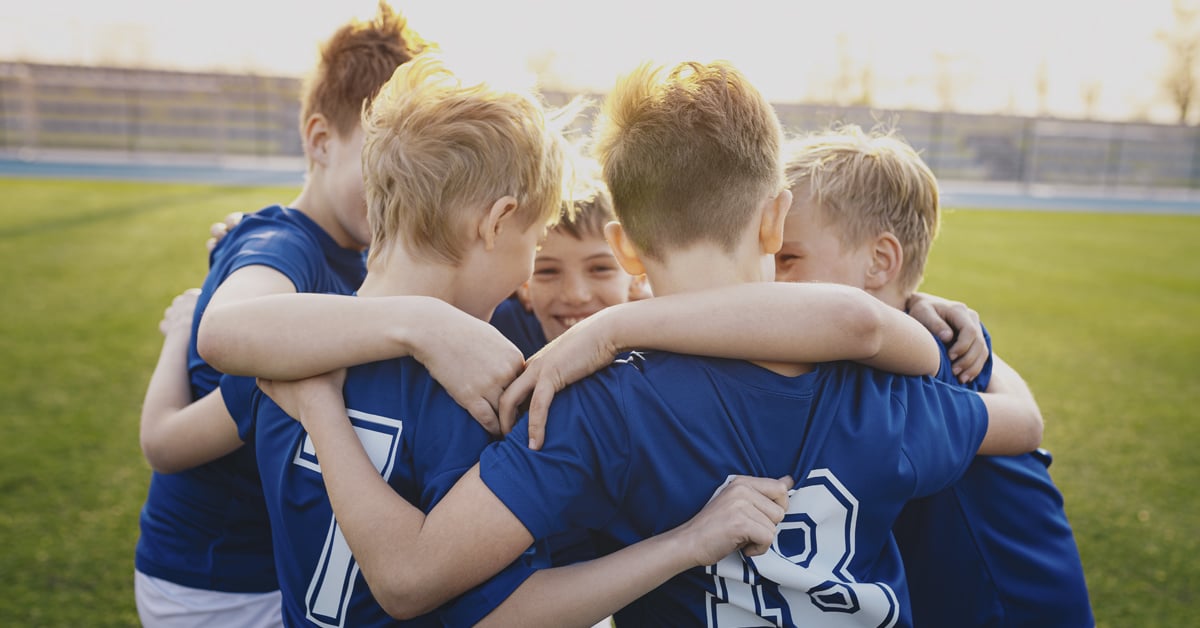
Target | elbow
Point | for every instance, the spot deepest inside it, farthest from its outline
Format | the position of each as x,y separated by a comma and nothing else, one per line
1034,432
405,597
211,344
157,456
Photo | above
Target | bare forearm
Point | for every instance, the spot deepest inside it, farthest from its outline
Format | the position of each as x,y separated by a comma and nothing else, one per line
168,391
802,323
301,335
585,593
1014,418
379,525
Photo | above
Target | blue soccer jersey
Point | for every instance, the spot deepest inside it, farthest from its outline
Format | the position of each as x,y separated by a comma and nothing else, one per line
520,326
206,528
995,549
640,447
421,442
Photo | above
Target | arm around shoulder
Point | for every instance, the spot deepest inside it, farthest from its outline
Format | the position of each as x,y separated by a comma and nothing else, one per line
782,322
1014,419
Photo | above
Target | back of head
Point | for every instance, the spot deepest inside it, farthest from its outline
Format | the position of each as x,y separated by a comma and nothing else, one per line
354,62
437,154
688,154
866,184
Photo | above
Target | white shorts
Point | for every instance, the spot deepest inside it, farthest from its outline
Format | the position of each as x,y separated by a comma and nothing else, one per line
163,604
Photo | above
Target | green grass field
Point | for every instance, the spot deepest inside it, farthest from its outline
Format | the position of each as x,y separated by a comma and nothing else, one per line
1097,311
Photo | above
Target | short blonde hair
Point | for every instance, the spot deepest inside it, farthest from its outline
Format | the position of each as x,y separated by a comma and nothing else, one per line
688,154
866,184
587,205
437,153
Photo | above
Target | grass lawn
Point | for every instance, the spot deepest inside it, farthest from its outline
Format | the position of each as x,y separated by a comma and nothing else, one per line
1097,311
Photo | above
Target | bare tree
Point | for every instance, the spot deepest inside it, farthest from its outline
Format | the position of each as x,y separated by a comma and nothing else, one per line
1041,86
1089,92
1183,49
945,82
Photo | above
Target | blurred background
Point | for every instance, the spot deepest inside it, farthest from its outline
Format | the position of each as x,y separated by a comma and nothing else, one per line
1023,96
1065,135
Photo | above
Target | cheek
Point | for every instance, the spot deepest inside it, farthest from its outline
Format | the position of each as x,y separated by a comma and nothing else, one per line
613,291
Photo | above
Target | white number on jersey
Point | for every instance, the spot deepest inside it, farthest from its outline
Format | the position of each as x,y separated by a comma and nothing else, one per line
334,574
803,579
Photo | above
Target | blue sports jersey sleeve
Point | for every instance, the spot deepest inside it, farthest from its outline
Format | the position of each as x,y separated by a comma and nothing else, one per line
470,607
577,478
287,250
944,428
239,396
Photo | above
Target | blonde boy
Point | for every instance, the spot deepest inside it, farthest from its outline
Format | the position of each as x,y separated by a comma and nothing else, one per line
865,214
691,156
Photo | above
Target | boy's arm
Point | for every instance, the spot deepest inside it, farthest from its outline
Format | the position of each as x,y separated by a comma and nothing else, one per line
742,515
293,336
414,563
176,434
953,322
1014,419
781,322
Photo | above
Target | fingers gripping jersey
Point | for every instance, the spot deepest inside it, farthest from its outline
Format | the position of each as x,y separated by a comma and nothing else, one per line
638,449
804,578
419,440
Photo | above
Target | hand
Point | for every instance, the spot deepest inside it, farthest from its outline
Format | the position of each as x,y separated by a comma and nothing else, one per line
301,398
580,351
522,295
178,316
742,514
473,361
639,288
953,321
219,230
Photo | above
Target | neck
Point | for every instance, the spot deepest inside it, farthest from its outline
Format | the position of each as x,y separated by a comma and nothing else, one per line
314,204
704,266
891,294
395,272
701,267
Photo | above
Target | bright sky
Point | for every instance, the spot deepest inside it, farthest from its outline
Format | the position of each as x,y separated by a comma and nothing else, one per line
989,51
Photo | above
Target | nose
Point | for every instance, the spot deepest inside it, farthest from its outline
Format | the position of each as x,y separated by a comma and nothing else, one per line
576,290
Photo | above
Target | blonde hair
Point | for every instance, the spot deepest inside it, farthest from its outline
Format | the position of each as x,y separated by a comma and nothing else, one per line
866,184
587,205
437,152
688,154
353,63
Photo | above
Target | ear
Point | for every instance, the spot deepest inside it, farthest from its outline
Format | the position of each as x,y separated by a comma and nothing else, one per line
770,227
317,134
523,297
623,249
887,258
495,220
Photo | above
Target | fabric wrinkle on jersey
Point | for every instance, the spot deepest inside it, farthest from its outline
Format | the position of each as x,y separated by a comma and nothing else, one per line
639,448
419,439
206,527
996,548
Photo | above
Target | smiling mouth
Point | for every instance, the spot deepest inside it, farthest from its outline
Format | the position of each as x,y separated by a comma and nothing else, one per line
569,321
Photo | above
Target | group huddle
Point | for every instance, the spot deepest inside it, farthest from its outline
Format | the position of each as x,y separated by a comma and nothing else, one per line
483,372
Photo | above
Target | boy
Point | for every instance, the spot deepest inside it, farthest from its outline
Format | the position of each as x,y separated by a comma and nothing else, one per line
204,550
462,226
692,161
994,549
574,273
